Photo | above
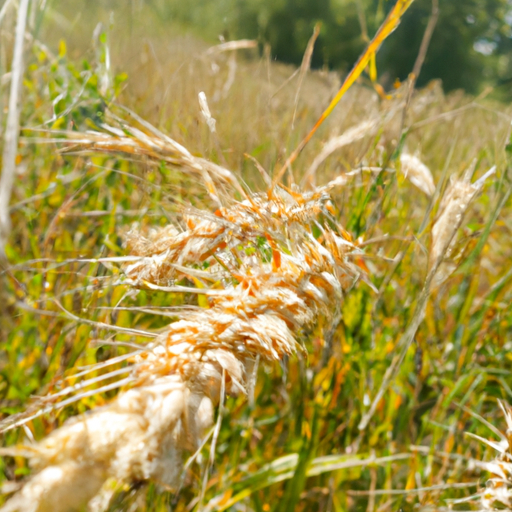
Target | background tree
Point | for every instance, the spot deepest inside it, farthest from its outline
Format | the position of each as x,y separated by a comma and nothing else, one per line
469,49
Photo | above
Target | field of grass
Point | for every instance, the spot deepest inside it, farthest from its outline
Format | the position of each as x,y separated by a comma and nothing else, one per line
311,439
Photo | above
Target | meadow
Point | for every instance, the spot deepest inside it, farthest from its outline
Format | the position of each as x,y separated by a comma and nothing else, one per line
326,429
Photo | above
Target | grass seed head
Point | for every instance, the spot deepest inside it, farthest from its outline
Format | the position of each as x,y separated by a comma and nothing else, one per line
267,279
498,489
456,200
417,173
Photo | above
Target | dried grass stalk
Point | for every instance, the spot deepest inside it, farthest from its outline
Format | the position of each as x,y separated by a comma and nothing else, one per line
241,44
353,134
12,128
454,204
417,173
205,111
451,212
272,280
305,67
497,493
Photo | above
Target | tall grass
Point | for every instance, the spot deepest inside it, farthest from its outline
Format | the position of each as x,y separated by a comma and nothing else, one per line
294,441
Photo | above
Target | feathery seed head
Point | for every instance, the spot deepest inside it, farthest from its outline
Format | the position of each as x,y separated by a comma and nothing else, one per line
267,279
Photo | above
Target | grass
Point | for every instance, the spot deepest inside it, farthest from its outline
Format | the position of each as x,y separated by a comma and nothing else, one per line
297,446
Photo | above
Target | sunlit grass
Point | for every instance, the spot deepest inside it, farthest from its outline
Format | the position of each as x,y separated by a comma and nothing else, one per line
307,410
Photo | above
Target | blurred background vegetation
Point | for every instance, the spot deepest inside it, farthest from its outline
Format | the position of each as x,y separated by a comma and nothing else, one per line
470,49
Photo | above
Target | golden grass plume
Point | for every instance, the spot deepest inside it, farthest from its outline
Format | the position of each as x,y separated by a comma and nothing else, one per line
266,277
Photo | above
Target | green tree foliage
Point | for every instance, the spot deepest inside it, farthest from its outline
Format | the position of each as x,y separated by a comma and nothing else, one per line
470,48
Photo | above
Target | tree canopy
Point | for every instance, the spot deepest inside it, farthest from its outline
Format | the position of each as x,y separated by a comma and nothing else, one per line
470,47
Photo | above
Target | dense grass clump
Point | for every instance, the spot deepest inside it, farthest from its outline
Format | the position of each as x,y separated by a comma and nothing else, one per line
371,409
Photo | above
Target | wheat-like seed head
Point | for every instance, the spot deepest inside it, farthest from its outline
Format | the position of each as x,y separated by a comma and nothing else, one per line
267,278
456,200
417,173
497,493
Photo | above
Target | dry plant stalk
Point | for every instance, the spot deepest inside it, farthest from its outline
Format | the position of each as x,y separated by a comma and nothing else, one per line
241,44
454,204
498,489
12,128
353,134
417,173
267,278
388,26
305,67
497,493
452,209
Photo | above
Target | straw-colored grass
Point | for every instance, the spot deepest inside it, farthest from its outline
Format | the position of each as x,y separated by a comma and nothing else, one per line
265,278
222,272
